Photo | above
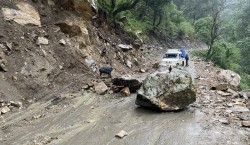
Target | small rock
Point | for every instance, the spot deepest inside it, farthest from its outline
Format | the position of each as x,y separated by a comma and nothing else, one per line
125,47
101,88
5,110
9,46
85,87
221,87
121,134
229,104
42,41
3,67
245,94
16,104
245,123
129,63
142,70
14,78
125,91
137,44
62,42
60,67
38,116
224,121
223,93
239,109
90,121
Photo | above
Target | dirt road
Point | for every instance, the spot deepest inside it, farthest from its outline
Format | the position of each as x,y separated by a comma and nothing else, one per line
85,118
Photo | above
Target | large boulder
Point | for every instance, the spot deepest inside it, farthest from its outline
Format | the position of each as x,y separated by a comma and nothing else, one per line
26,14
230,77
127,81
167,91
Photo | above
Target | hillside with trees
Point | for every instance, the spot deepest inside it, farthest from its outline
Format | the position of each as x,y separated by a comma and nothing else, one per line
222,24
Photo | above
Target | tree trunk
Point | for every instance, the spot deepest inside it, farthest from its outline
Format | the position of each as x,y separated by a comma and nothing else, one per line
125,7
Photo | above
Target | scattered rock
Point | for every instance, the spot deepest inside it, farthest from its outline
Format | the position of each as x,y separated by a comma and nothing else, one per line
245,94
26,15
129,63
127,81
16,104
125,91
42,41
125,47
223,93
5,110
137,44
89,61
224,121
221,87
3,67
38,116
101,88
142,70
14,78
239,109
121,134
167,91
62,42
245,123
230,77
72,30
85,87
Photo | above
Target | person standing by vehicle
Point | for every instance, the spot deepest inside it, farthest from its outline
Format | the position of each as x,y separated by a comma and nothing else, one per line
187,58
183,55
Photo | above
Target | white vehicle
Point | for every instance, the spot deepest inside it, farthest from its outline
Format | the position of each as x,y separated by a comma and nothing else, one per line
173,58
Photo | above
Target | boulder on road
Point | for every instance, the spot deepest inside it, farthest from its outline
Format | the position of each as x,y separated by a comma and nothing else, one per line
167,91
127,81
230,77
101,88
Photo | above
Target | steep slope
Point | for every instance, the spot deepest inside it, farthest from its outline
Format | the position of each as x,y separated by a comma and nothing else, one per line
75,49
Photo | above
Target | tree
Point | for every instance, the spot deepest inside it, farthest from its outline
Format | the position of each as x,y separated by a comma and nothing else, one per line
244,37
157,7
114,7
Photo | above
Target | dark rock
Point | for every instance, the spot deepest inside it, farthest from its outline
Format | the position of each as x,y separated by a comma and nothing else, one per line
137,44
72,30
126,81
167,91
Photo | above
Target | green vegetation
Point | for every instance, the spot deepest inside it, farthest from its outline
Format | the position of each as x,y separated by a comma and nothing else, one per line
224,25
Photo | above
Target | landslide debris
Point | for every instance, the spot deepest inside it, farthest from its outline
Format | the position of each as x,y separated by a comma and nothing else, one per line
167,91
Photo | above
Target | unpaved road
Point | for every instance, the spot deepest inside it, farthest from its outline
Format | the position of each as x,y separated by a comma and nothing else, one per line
87,119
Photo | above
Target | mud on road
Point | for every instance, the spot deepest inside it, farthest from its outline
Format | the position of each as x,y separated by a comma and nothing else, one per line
86,118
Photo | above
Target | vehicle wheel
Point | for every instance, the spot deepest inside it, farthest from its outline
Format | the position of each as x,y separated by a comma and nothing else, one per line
177,64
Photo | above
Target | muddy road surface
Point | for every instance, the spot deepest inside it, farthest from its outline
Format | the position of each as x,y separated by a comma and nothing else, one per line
85,118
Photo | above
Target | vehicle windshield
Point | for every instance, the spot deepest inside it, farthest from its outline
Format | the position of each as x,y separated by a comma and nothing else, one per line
171,55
